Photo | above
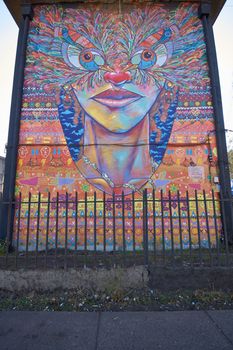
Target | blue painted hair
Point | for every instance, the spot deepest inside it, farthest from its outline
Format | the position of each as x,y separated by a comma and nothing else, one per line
74,132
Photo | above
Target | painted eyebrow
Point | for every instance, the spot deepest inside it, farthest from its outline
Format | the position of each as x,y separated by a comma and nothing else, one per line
74,38
160,37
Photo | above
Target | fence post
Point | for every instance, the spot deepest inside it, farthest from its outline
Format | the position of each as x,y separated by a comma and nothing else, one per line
145,228
1,211
224,174
13,133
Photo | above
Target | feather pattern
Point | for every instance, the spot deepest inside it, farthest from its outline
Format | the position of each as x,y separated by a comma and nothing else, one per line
116,39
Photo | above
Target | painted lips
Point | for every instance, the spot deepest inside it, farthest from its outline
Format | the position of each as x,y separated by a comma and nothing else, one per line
116,98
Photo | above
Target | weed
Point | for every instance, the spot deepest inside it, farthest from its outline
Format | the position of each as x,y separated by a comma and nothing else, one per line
3,246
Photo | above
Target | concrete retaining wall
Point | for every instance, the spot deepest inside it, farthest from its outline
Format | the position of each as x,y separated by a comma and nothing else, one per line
117,279
96,280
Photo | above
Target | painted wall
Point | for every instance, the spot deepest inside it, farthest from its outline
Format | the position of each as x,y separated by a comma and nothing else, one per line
115,99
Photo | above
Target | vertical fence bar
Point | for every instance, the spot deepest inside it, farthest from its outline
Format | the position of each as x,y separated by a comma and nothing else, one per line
76,230
180,225
224,228
114,225
123,223
18,231
207,228
162,224
189,227
133,223
9,228
95,226
215,225
198,227
28,225
56,227
66,229
171,224
145,228
47,229
104,220
37,228
85,229
154,223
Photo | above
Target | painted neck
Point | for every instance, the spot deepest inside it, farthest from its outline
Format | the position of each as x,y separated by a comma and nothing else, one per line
124,157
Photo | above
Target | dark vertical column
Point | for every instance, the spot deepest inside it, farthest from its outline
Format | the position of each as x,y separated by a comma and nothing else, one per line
13,133
224,174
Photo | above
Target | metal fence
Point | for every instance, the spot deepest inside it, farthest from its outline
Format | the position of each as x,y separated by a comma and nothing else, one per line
158,228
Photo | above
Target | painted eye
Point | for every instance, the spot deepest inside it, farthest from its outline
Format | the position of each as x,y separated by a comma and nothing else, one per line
86,57
144,58
147,58
148,55
89,59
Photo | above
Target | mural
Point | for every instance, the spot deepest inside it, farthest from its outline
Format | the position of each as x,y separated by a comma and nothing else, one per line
115,102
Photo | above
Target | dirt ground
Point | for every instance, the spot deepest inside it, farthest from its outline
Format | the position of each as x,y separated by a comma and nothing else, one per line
168,289
206,278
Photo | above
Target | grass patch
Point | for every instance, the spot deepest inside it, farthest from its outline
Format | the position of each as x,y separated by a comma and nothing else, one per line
132,300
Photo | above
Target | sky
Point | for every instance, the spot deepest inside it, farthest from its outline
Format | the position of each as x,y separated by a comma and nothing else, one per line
223,31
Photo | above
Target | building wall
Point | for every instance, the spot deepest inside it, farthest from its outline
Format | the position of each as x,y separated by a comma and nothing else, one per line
2,167
116,99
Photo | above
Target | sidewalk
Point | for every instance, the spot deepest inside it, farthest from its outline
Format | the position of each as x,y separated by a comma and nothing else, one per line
182,330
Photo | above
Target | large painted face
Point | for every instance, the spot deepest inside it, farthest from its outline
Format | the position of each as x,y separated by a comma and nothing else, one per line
116,85
121,67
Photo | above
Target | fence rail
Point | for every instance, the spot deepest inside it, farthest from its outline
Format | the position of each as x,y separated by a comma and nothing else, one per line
67,230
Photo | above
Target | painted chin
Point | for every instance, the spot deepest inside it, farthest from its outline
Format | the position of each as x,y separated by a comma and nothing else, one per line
117,110
118,120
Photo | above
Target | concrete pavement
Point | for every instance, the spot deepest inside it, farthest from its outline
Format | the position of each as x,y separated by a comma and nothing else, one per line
182,330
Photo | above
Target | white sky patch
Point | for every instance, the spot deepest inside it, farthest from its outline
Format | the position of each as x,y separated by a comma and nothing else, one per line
223,29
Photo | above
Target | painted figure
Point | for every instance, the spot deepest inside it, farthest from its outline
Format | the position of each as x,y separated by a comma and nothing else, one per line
117,79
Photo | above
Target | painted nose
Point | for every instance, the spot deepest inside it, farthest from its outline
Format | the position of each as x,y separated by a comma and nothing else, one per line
117,78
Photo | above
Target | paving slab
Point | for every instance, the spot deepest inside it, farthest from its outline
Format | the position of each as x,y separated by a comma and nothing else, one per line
160,330
224,321
21,330
181,330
